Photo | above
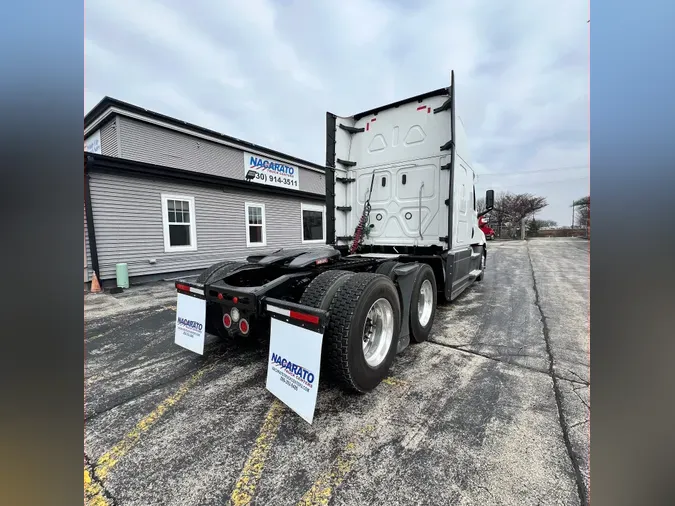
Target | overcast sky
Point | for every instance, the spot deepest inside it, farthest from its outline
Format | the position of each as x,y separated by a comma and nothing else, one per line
268,70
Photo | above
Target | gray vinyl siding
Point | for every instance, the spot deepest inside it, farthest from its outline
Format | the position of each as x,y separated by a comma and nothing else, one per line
128,222
109,145
161,146
313,182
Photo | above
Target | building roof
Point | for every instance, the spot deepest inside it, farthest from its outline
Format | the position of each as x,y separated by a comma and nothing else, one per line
107,104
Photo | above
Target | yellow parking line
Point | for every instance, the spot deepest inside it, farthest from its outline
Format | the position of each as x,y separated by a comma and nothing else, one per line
321,492
244,490
93,493
108,460
391,381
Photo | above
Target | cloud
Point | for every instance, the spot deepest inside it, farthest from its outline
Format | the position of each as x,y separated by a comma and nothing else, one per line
267,71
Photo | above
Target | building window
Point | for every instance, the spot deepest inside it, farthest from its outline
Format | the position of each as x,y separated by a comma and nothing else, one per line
255,225
313,224
178,217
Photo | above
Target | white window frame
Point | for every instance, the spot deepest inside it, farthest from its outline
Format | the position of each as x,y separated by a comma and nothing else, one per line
165,223
312,207
250,244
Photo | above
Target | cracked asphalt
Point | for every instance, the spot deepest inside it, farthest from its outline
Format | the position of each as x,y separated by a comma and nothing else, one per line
493,409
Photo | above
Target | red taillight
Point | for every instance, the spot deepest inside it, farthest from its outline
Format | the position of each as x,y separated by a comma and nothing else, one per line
235,299
221,296
304,317
243,326
182,287
227,321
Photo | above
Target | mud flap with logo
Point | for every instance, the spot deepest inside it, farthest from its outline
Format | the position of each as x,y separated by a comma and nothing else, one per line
190,322
294,362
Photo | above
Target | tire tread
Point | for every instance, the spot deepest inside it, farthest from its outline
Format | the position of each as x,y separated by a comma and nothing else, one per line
342,310
315,292
206,274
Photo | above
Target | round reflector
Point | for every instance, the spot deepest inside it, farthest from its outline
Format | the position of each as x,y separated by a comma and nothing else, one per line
221,296
235,314
227,321
235,299
243,327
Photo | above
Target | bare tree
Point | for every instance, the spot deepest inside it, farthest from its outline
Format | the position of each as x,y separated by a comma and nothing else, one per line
517,207
499,215
523,205
583,212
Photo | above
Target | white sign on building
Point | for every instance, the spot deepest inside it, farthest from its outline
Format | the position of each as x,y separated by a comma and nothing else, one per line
271,172
92,144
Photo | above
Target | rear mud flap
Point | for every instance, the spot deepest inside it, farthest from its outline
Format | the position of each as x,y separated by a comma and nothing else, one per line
404,276
294,362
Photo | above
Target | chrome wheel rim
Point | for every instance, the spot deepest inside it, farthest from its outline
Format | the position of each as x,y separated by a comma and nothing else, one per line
425,303
378,332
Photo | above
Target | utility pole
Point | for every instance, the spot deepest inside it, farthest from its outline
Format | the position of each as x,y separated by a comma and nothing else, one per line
573,214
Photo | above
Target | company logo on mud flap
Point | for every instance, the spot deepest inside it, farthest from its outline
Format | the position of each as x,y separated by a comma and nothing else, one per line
256,162
190,324
294,370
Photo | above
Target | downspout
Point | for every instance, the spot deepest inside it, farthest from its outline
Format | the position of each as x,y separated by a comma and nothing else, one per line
90,218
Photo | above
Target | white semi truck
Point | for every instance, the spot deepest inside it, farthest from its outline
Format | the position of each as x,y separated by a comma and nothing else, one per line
402,232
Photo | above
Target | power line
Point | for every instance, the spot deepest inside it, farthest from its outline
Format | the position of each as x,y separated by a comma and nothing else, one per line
532,171
538,183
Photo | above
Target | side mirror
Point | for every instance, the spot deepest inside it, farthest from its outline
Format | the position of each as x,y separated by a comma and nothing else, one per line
489,200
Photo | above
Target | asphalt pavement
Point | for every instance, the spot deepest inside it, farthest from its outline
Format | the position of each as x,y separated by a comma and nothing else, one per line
493,409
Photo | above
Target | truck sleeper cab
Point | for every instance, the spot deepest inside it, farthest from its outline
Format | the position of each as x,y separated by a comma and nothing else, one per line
402,230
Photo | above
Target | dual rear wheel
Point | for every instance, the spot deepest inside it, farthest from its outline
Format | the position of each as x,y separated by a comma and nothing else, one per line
361,339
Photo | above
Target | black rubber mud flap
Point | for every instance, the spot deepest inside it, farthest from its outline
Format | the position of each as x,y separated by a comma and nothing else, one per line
418,332
343,341
387,268
483,264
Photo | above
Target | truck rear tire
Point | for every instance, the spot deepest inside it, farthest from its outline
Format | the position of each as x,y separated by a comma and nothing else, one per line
423,304
206,274
362,334
320,292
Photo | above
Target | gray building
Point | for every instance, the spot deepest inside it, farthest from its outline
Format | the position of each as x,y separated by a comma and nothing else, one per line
170,198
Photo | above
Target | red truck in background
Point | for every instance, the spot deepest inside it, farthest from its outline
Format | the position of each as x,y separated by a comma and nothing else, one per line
485,228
